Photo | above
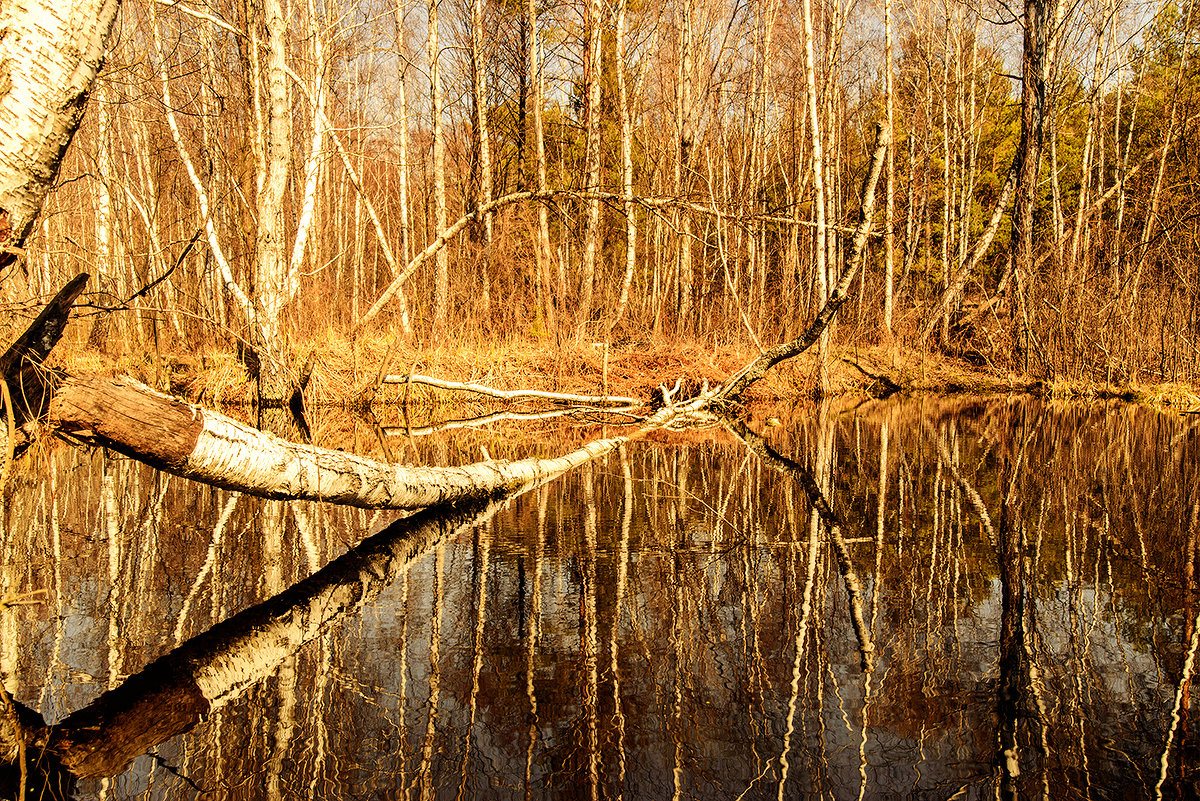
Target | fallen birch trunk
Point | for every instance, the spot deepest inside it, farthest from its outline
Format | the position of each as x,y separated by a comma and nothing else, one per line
510,394
204,445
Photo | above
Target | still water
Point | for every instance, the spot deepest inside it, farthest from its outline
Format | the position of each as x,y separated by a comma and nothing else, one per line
1000,601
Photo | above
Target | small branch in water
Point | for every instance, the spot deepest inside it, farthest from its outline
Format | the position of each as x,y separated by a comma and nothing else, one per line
510,394
496,417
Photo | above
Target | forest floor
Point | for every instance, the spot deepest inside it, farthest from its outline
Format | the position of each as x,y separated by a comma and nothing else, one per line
342,371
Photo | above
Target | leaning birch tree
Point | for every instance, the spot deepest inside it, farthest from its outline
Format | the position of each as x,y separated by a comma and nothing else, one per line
52,51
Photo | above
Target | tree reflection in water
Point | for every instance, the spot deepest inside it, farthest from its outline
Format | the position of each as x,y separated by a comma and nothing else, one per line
999,600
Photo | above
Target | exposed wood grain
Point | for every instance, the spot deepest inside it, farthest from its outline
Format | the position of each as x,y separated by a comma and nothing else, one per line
130,418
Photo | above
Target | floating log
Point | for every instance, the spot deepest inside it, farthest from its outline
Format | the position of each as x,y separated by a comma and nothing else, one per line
204,445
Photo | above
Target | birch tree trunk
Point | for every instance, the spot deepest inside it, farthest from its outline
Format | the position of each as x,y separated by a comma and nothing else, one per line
683,127
542,247
52,51
591,116
312,164
402,136
206,446
483,146
271,284
818,164
626,119
890,188
441,281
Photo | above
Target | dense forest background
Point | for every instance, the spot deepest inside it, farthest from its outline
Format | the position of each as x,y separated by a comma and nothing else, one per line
682,170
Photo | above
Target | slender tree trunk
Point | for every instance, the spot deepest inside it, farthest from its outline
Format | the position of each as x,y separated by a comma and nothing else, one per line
890,188
1038,23
818,165
626,120
316,153
542,246
683,127
483,148
441,281
591,115
402,137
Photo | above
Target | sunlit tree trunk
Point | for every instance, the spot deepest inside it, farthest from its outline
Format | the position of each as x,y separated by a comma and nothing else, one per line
441,280
483,148
1038,34
402,138
52,52
818,166
542,246
683,129
626,120
270,274
313,162
890,189
591,122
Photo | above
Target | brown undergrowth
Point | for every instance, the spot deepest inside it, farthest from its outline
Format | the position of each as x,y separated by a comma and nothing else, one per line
343,370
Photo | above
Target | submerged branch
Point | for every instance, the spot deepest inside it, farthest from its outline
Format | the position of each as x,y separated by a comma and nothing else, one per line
510,394
497,417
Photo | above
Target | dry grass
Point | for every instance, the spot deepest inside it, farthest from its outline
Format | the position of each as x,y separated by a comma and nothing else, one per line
344,369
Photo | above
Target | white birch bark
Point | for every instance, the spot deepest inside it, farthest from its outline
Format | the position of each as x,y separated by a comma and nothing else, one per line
441,281
683,125
234,290
542,248
206,446
402,134
270,283
626,120
810,80
591,121
52,51
316,154
483,145
889,238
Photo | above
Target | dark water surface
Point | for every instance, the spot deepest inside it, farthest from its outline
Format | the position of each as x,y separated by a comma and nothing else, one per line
671,621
